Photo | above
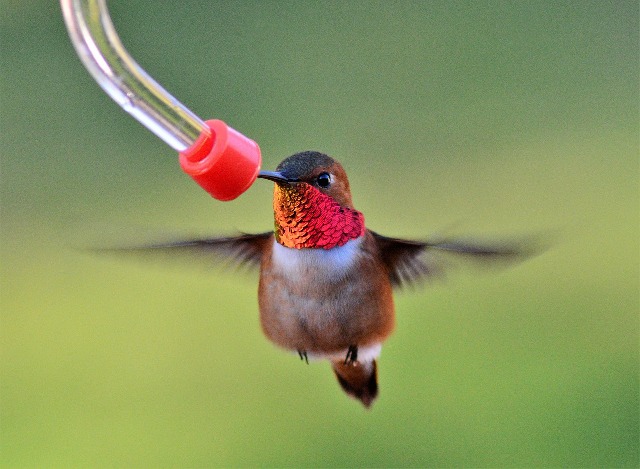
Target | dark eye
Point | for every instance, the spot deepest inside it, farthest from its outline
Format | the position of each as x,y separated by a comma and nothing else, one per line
323,180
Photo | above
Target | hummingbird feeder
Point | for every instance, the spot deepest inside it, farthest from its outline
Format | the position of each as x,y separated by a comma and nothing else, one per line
220,159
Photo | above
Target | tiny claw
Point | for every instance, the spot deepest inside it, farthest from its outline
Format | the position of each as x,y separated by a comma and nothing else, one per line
352,355
303,356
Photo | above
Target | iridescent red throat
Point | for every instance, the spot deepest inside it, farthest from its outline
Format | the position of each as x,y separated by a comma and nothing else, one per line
308,218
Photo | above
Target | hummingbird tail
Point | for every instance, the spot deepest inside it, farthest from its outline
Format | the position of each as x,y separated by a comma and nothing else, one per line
358,379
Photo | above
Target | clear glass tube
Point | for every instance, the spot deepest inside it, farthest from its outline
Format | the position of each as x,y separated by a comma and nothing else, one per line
99,47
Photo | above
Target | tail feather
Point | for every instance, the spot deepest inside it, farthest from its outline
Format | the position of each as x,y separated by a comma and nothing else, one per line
358,379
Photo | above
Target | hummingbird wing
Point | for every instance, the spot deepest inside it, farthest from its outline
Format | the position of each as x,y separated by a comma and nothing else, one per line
409,261
245,249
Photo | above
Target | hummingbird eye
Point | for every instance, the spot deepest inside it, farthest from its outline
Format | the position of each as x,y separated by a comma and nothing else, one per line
323,180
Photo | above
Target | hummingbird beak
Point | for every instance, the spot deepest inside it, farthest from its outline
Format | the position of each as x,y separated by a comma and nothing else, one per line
275,177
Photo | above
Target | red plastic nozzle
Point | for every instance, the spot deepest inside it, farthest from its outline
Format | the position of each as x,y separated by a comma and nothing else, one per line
224,162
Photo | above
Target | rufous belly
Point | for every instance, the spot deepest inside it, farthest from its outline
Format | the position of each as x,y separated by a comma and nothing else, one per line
323,301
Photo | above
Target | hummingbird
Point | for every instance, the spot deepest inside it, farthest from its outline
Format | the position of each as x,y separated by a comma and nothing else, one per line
327,281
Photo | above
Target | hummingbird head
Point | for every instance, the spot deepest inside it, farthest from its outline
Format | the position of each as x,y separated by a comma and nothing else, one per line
314,169
312,202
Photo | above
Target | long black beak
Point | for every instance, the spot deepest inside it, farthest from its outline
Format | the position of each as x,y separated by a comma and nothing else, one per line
275,177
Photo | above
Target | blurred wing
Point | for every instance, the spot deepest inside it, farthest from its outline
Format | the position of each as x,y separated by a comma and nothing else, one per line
241,250
409,261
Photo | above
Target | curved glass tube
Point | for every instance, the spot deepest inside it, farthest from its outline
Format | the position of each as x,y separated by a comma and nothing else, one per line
99,47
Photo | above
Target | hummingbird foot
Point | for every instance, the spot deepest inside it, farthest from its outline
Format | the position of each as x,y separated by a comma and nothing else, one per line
303,356
352,355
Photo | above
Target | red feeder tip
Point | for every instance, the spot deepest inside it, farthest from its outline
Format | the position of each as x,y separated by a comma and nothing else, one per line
223,162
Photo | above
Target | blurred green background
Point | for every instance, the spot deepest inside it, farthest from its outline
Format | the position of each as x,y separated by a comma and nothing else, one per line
494,118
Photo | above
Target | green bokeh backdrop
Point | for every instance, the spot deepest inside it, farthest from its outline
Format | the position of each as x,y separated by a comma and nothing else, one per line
488,117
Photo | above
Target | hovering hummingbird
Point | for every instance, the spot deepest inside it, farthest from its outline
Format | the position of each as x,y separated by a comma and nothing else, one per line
326,281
